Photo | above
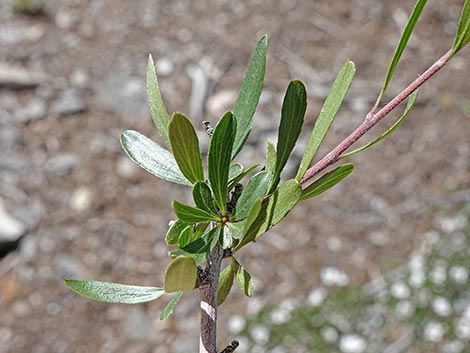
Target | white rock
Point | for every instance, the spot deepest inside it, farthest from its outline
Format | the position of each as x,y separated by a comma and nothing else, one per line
236,324
441,306
280,316
405,308
332,276
438,274
433,331
352,344
459,274
455,346
81,200
80,78
330,334
164,67
10,228
334,243
260,334
317,296
16,77
400,290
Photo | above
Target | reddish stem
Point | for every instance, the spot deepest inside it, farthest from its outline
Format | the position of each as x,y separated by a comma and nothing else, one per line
373,118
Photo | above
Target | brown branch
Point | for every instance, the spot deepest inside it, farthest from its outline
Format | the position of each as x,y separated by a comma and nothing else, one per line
373,118
207,341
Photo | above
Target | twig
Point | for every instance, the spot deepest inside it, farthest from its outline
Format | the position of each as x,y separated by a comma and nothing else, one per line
373,118
207,341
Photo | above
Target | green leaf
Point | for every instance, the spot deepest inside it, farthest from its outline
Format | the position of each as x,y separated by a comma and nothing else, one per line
270,157
409,105
180,275
405,36
252,215
220,150
200,229
254,190
235,170
185,147
152,157
170,306
462,36
200,248
243,279
225,284
192,215
174,232
279,204
114,292
157,108
233,181
185,236
203,197
327,113
235,229
327,181
292,119
250,92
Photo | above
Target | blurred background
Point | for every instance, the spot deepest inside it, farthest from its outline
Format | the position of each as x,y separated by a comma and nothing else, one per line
379,263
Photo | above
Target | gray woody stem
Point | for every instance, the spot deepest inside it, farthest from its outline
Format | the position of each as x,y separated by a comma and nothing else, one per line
208,338
373,118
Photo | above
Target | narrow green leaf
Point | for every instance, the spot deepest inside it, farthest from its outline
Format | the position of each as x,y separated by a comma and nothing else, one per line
328,112
270,157
200,229
462,36
174,232
327,181
250,92
170,306
252,215
204,244
243,279
279,204
233,181
152,157
220,150
254,190
180,275
114,292
185,236
185,147
234,170
405,36
225,284
192,215
202,196
409,105
157,108
235,229
292,119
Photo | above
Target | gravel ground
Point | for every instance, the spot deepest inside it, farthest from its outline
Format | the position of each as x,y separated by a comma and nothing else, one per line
73,77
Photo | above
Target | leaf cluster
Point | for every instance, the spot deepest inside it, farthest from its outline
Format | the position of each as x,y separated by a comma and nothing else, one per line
234,205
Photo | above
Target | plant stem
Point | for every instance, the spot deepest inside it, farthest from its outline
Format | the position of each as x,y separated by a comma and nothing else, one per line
208,338
373,118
